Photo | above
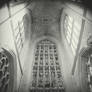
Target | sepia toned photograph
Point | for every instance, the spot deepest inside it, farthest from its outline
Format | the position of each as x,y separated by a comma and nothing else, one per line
45,45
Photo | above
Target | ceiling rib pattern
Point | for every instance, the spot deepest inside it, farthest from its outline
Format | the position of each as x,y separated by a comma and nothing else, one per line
45,16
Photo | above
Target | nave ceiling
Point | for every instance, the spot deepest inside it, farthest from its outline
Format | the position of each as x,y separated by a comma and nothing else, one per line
46,18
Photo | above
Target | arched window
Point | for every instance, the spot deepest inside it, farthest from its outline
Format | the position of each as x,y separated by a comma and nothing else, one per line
19,34
46,72
72,30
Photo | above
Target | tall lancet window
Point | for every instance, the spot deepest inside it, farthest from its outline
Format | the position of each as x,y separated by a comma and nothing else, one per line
72,30
46,72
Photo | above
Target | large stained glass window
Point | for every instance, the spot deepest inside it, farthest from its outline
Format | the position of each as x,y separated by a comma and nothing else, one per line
46,72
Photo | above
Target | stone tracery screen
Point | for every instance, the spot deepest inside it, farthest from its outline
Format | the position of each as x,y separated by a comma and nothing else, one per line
6,75
46,72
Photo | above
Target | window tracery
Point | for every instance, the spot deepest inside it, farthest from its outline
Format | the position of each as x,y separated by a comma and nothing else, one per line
46,73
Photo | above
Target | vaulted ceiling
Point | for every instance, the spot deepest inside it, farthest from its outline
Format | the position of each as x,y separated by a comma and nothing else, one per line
46,17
